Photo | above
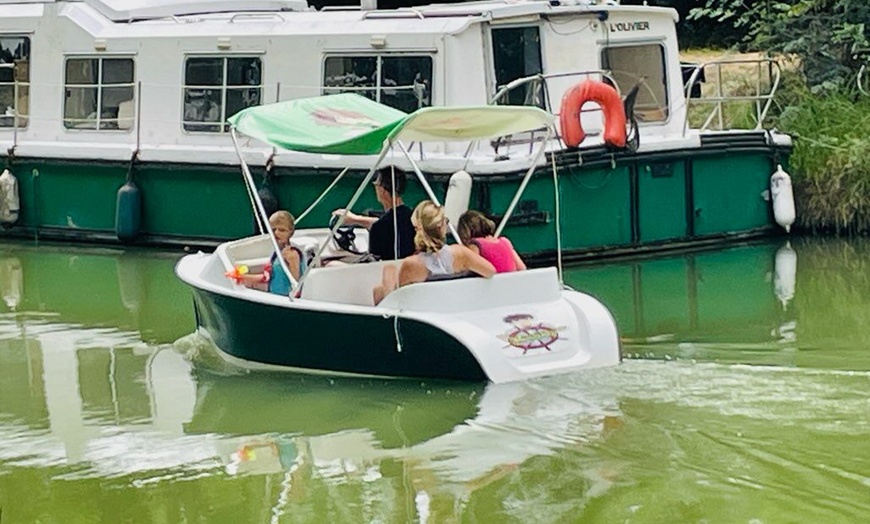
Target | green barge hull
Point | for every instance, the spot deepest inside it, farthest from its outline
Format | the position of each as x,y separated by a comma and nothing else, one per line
610,203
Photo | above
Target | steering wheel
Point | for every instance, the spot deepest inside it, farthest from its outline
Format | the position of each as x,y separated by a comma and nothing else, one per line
344,237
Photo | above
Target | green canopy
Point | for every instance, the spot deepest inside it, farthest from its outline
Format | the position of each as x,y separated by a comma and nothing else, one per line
346,123
469,123
350,124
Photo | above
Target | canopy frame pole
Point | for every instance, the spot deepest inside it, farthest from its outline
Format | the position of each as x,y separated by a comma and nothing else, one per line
260,211
524,183
322,195
251,189
427,187
342,217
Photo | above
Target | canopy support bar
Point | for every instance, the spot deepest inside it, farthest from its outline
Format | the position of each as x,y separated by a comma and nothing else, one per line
322,195
427,187
260,211
341,218
524,183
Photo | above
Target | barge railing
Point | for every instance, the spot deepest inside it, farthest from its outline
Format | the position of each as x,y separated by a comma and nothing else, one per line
761,99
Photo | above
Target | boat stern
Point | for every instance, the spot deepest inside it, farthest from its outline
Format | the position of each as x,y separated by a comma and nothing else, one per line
517,325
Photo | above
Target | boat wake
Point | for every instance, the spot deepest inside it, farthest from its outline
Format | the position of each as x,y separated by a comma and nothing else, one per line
203,355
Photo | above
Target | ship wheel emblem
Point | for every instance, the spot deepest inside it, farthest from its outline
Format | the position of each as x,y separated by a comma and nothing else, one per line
527,334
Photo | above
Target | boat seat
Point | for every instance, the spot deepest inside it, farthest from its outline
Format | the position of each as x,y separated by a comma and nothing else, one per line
517,289
346,284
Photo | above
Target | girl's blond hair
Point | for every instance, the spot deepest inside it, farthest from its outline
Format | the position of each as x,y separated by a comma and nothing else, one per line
428,219
284,216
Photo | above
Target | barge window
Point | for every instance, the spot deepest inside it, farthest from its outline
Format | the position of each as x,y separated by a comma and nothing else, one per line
217,87
99,93
400,81
643,64
516,53
14,80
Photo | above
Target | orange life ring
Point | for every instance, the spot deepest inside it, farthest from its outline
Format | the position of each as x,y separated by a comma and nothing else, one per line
611,106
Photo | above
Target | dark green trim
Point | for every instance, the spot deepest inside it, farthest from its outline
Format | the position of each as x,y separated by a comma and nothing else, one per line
199,206
331,341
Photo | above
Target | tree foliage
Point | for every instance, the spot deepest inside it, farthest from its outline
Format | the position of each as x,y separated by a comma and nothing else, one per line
829,37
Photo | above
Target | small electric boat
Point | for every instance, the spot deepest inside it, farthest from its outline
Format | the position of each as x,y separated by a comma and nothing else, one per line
509,327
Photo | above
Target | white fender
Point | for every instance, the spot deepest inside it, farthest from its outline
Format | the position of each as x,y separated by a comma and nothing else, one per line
783,198
458,196
11,282
9,202
784,274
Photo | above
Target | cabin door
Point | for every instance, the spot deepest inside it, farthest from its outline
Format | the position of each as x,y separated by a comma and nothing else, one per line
516,53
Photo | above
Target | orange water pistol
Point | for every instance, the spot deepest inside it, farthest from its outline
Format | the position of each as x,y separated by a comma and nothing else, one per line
237,273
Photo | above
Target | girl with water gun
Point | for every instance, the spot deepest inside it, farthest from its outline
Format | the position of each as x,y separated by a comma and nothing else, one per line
272,277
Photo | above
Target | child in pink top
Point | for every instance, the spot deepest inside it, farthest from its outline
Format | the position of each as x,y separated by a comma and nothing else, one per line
476,231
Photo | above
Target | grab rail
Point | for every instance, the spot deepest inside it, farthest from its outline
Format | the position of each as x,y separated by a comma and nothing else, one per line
762,101
541,80
254,16
539,96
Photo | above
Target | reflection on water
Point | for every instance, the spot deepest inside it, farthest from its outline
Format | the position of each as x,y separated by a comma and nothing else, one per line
697,295
747,304
112,411
134,291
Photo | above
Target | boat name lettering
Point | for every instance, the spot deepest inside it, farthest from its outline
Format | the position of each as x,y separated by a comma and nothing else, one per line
629,26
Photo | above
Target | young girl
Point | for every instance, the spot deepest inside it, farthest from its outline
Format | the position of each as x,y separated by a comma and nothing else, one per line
476,231
273,279
434,258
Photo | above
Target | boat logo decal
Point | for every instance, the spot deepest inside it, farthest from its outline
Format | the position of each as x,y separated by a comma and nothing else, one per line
528,334
343,118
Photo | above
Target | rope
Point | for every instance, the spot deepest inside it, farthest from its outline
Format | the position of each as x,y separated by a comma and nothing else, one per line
558,198
396,332
393,210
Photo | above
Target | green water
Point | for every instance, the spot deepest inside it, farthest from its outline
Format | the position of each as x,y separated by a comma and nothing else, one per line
744,397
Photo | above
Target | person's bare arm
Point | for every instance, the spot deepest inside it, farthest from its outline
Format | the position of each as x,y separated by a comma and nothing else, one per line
291,257
518,261
521,266
412,270
465,259
389,279
353,219
254,281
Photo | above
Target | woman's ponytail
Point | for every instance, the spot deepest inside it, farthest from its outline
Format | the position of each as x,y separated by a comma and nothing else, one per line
428,219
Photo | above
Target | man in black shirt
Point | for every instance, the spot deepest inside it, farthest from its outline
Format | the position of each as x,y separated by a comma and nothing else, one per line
396,217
